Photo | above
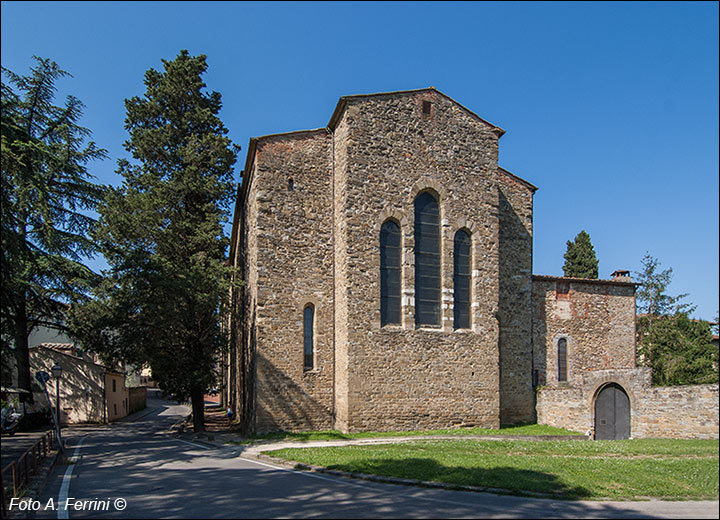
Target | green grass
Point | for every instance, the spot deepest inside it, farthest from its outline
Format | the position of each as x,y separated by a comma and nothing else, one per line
619,470
328,435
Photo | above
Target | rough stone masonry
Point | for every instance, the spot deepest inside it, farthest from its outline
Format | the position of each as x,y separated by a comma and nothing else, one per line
308,347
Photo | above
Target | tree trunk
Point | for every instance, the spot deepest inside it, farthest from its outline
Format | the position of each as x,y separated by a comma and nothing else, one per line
198,409
22,353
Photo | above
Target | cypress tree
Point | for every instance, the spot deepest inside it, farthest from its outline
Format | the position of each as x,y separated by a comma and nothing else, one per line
162,235
580,259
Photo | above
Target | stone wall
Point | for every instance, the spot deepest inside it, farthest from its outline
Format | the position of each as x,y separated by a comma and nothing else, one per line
400,377
678,412
293,230
517,397
675,411
596,317
572,406
137,397
339,168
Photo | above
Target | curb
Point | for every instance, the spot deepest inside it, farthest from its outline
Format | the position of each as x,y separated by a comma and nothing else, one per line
299,466
254,452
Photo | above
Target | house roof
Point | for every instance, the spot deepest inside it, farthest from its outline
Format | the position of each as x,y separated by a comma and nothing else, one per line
57,346
596,281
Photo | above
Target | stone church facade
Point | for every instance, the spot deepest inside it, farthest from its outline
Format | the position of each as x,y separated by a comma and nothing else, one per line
387,269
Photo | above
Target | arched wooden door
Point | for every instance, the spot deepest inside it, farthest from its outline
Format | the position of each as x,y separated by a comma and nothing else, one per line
612,413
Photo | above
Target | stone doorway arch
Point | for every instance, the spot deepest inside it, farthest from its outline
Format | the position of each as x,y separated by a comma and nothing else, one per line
612,413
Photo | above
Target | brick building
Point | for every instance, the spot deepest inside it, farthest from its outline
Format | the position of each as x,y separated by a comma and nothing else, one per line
387,261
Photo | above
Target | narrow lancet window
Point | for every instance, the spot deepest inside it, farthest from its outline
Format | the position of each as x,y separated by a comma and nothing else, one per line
390,271
308,337
427,260
562,360
461,280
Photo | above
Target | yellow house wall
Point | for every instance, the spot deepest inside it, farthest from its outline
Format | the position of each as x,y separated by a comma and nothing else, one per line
81,386
117,396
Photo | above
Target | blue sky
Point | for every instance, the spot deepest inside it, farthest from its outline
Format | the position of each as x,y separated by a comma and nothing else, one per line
611,109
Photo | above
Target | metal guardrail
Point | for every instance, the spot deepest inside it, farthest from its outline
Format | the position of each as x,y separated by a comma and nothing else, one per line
25,467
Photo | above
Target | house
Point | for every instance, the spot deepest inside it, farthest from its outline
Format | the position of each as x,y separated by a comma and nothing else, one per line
89,392
387,261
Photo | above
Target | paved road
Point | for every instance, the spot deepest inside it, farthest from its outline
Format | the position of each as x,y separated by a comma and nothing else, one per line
159,476
14,446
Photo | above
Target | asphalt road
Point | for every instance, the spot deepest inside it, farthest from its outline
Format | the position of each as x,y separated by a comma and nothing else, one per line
158,476
14,446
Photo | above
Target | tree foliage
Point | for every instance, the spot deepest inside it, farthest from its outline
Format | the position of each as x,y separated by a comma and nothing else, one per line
678,349
580,259
46,193
162,235
652,298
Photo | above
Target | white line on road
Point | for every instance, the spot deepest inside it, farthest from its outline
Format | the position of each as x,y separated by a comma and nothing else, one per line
62,511
193,444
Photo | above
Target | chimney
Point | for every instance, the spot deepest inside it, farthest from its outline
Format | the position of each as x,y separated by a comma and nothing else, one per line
620,275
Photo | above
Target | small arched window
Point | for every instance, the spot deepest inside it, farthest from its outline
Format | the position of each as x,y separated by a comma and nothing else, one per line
308,337
427,260
461,280
562,360
390,271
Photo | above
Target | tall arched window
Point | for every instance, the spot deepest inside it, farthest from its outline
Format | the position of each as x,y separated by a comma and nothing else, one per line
427,260
308,337
461,280
390,273
562,359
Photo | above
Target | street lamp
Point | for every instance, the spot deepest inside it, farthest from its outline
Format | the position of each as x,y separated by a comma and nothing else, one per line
57,374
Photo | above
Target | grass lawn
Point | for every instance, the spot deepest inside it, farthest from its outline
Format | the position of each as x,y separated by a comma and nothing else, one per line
621,470
328,435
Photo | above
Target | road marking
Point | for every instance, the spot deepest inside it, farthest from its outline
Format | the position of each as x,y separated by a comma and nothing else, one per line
62,511
193,444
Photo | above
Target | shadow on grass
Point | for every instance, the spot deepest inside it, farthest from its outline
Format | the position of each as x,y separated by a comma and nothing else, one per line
517,481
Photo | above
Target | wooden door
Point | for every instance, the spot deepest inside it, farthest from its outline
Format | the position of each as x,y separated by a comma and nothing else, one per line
612,413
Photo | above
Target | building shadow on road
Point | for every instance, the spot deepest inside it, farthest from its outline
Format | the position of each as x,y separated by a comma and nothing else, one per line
195,491
517,481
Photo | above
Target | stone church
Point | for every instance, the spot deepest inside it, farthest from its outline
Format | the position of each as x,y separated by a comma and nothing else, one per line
387,269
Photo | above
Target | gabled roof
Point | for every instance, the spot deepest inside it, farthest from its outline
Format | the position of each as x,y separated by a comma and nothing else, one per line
522,181
342,103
